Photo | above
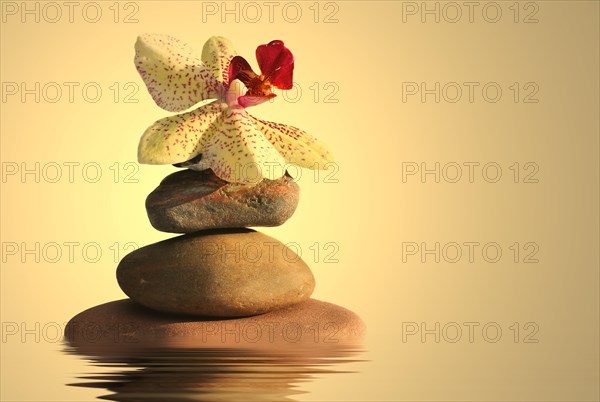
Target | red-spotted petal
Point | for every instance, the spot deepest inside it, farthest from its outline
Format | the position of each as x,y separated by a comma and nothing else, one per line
176,79
238,152
177,138
247,101
216,56
295,145
276,62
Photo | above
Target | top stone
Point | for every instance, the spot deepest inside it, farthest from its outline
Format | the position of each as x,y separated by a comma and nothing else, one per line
189,201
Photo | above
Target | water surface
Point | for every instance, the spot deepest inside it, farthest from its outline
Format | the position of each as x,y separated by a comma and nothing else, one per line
188,374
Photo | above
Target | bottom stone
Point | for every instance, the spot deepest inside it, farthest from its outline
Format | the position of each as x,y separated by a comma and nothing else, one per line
123,324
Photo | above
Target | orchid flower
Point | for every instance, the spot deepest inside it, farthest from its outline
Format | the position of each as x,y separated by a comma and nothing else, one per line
220,134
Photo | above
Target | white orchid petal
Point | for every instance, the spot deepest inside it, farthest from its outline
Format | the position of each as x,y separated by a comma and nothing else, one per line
177,139
295,145
216,55
175,77
238,152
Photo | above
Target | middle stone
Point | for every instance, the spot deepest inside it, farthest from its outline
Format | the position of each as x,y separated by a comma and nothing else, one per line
218,273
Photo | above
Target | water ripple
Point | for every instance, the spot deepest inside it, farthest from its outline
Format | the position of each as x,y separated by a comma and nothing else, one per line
226,374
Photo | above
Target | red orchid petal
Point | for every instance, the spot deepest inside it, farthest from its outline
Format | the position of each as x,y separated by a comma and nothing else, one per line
283,78
238,64
246,101
276,62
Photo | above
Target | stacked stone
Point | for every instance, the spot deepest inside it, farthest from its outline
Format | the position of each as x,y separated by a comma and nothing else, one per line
219,267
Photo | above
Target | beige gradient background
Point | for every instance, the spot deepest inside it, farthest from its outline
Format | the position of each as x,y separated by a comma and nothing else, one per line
369,213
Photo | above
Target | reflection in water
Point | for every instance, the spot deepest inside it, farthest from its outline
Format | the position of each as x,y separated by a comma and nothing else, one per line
177,374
